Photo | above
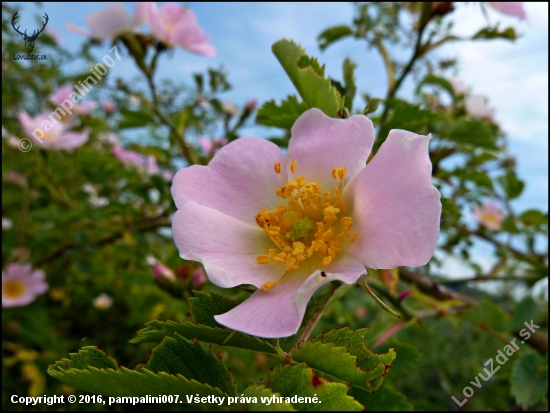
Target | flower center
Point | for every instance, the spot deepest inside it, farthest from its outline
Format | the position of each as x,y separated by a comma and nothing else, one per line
308,224
490,219
48,137
13,289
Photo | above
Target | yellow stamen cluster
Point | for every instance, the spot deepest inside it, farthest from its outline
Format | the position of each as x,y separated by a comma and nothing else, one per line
13,288
307,225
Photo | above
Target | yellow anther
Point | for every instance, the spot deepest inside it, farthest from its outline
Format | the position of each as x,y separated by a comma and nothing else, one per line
263,259
306,223
342,173
269,285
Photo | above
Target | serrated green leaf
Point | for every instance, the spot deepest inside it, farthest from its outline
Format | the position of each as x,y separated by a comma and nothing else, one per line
97,378
408,116
511,184
337,362
372,105
349,79
204,306
315,90
135,118
526,309
488,315
283,115
299,380
177,355
370,368
385,399
533,217
332,34
434,80
468,132
156,330
493,33
529,379
260,392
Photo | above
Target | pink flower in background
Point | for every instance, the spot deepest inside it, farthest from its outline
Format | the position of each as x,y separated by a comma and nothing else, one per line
108,106
161,271
110,138
203,101
50,133
151,165
112,22
251,105
21,285
127,156
290,224
458,86
103,301
477,108
67,93
16,178
54,34
211,146
489,215
199,277
511,8
176,25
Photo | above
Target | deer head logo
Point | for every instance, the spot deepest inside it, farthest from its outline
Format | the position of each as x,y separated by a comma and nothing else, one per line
29,40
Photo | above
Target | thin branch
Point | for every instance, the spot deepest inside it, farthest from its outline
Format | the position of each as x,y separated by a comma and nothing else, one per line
146,225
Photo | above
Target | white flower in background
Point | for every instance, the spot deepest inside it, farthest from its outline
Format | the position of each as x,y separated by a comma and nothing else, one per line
477,108
459,87
95,200
6,223
150,260
229,107
103,301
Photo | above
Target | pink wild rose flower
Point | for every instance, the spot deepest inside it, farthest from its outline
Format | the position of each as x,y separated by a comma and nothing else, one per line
67,93
476,107
51,133
290,224
489,215
127,156
112,22
511,8
21,285
175,25
161,271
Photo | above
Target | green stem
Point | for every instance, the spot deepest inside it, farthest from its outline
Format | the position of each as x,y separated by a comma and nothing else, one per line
363,283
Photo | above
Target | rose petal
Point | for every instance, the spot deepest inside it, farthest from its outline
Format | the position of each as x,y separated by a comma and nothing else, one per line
279,311
140,14
227,247
69,141
512,8
240,181
320,144
394,205
157,27
111,22
190,37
